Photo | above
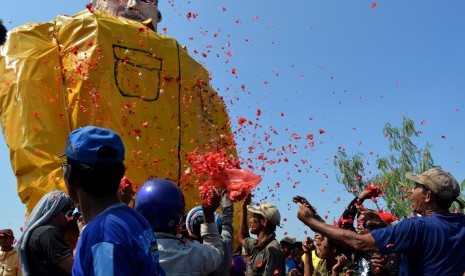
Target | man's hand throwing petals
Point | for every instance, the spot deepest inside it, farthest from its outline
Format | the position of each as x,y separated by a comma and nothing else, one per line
306,211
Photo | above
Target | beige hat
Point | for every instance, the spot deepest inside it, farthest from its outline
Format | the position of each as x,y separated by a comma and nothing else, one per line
440,182
268,211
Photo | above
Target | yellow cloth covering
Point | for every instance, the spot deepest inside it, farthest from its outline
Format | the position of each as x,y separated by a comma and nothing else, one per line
96,69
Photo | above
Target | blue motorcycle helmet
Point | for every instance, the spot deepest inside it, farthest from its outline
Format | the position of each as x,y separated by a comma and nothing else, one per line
161,202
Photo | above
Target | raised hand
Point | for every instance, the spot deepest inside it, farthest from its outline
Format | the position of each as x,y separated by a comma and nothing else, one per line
209,209
306,211
308,245
340,264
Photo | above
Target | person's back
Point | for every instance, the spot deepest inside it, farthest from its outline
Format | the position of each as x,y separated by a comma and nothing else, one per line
238,264
46,246
121,227
195,219
431,245
160,201
116,240
190,258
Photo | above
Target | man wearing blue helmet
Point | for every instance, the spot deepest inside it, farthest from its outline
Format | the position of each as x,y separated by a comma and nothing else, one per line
160,201
195,218
116,240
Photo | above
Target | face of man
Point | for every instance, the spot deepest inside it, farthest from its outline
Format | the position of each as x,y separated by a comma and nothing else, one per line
318,238
138,10
286,249
6,242
323,248
256,224
60,219
418,197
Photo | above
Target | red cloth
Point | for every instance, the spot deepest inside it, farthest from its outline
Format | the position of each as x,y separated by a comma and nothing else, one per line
238,183
387,217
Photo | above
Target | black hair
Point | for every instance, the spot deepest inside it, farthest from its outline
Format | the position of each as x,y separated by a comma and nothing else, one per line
97,179
3,32
270,226
286,244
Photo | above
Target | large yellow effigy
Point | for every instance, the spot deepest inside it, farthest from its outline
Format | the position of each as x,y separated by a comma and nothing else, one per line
96,69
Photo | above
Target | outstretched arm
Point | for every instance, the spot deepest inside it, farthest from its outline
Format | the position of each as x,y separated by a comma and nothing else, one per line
364,242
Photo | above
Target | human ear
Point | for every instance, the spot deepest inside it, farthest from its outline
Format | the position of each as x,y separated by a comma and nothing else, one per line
428,196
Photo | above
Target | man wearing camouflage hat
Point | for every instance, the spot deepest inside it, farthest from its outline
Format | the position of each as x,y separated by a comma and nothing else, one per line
264,254
429,245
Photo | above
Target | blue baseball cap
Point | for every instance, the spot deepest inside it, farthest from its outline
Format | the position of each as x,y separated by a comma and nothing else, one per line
94,145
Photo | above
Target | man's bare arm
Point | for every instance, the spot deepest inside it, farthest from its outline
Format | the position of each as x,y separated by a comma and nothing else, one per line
359,242
243,225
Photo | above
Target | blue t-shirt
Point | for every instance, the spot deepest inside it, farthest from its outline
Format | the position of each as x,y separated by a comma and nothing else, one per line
119,241
432,245
290,264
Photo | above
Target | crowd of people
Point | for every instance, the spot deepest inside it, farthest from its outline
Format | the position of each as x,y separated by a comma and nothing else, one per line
158,236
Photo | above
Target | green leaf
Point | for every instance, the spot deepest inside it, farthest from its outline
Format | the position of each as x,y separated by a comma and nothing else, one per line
405,156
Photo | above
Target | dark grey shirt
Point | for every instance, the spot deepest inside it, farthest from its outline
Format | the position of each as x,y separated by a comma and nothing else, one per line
45,248
264,259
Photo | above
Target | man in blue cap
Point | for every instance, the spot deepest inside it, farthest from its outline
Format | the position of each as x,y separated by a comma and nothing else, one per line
116,240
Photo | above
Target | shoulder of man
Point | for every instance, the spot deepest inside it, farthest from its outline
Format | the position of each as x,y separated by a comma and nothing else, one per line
45,230
249,243
274,247
274,243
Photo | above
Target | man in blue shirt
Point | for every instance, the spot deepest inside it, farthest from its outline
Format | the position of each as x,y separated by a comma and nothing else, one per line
116,239
432,244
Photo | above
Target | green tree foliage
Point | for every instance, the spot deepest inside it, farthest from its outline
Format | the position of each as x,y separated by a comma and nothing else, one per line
404,157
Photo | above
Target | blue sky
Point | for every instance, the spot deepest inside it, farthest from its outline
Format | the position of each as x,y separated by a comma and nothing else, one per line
345,67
